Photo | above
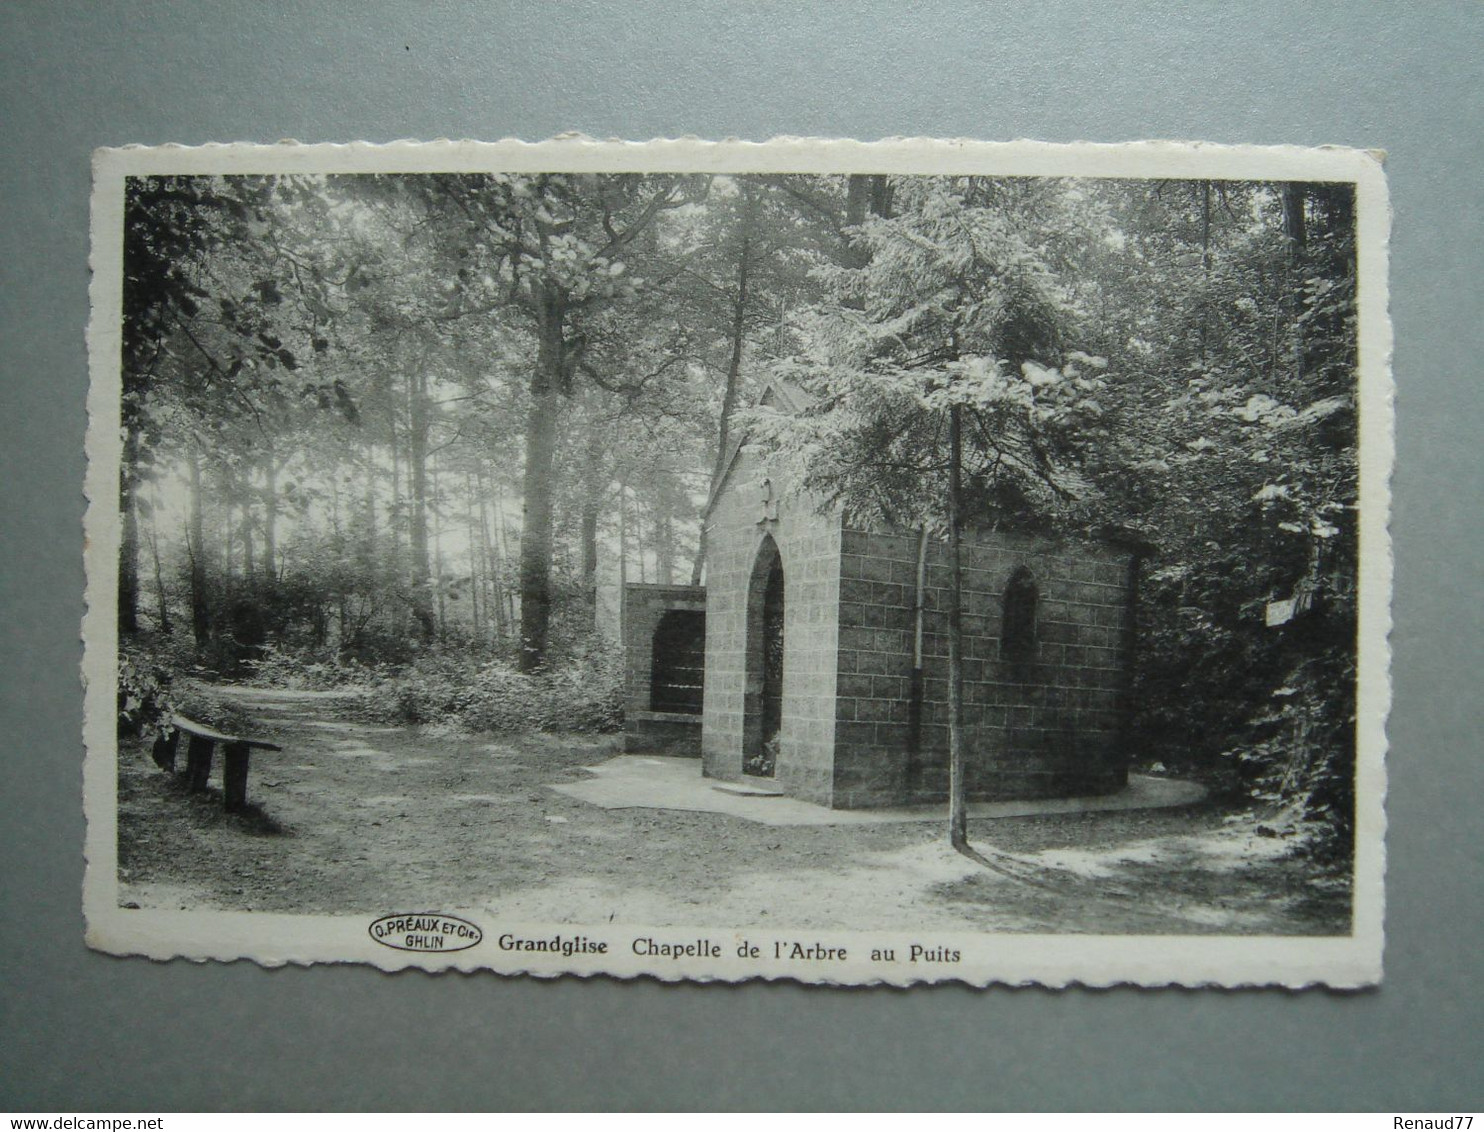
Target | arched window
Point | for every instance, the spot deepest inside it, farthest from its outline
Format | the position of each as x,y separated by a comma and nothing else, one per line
1018,625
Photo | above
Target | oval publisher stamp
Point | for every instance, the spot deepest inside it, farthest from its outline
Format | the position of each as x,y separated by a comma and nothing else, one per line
425,931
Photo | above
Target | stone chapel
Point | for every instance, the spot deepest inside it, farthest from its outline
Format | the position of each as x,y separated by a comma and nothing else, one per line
814,659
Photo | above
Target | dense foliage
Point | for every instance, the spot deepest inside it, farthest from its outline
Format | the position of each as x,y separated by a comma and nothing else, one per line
495,696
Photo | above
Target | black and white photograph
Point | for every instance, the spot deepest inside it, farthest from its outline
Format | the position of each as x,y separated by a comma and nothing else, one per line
887,563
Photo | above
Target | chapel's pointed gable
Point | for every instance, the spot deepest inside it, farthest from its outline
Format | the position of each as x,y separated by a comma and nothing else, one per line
785,397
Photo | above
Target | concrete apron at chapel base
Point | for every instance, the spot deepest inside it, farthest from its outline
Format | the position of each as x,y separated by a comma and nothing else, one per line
643,782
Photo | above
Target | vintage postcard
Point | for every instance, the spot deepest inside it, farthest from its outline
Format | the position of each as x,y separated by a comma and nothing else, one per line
852,563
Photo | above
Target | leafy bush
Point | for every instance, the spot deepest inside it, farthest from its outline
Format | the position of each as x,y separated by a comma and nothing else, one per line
582,695
205,706
585,695
312,670
146,689
1298,758
1265,716
151,689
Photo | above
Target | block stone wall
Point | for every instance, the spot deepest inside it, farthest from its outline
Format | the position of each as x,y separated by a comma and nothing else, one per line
1047,724
646,730
743,516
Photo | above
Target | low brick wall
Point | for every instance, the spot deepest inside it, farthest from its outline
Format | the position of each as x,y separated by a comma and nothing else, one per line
647,730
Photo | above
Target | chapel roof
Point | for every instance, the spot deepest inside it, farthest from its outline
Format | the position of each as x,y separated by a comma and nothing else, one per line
788,398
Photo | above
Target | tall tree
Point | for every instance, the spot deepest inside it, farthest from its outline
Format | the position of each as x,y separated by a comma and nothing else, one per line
939,386
749,257
555,249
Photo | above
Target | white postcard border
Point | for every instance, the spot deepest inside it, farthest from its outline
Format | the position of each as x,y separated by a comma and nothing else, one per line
1015,959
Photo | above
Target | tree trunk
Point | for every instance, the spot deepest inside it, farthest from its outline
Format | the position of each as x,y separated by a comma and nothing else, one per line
639,540
592,505
1295,225
502,534
229,532
437,508
865,194
538,488
495,564
128,596
664,532
478,568
249,555
958,821
1205,332
196,552
163,605
916,689
734,375
699,564
338,545
417,476
371,470
270,516
857,197
394,519
623,539
1295,228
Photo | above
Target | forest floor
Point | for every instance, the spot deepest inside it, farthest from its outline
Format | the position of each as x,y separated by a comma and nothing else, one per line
356,818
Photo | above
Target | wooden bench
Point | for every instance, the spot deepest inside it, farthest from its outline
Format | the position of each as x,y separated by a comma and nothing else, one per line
236,750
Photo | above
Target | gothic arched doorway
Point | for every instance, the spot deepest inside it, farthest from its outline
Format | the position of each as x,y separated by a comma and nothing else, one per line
763,705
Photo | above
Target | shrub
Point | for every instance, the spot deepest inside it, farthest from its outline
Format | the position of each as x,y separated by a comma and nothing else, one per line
584,694
146,689
432,689
309,669
205,706
1298,759
150,690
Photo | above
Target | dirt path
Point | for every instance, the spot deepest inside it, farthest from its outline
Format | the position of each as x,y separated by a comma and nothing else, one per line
358,818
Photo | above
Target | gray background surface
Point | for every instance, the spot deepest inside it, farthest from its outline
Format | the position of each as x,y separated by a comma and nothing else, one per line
83,1031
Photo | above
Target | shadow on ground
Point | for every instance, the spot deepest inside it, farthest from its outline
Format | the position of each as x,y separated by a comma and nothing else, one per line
354,818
